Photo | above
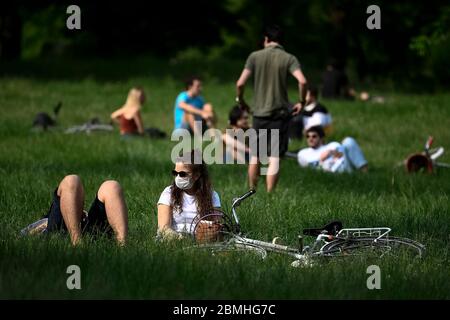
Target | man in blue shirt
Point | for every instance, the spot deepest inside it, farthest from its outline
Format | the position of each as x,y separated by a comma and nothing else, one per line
190,107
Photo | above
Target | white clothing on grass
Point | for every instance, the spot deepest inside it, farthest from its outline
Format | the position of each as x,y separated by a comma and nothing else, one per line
181,221
317,119
352,158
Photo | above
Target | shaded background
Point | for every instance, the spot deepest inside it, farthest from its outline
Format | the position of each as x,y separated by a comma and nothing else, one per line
412,46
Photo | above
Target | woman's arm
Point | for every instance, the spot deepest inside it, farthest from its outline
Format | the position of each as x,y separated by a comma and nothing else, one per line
234,143
165,223
116,114
138,120
164,217
238,149
241,147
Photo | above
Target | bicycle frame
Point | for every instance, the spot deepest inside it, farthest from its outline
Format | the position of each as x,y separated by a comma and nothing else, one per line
296,253
434,154
301,253
239,239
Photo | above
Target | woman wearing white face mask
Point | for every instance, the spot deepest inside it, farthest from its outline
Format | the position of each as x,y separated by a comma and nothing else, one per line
189,195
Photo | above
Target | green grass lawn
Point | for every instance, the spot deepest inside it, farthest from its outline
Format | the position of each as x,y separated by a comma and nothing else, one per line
31,164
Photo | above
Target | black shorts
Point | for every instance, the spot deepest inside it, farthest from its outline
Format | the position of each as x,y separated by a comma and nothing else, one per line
95,222
280,122
296,127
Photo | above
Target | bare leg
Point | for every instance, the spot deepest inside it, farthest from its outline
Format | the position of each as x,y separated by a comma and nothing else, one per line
110,193
211,121
71,193
208,108
272,173
190,120
253,172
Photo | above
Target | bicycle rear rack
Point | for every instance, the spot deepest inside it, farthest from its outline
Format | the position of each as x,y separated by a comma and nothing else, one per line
364,232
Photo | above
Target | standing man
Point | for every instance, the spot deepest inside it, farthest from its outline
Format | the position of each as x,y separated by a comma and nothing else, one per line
270,68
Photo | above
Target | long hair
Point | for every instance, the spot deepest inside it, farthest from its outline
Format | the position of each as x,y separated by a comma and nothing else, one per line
202,187
235,114
136,97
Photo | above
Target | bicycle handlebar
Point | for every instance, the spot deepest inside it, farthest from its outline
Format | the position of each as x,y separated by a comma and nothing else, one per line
428,143
247,194
237,201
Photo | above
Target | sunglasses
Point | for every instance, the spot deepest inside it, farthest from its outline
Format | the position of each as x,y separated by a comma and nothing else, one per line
182,174
312,136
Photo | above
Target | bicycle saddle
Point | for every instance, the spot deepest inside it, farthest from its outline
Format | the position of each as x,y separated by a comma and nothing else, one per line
330,228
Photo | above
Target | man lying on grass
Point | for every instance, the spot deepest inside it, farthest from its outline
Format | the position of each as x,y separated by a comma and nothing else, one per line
190,194
334,156
108,213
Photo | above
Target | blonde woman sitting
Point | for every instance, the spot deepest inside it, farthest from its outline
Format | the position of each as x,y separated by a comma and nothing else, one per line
129,116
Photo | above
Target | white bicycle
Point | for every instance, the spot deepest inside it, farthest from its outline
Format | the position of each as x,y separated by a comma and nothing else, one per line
221,235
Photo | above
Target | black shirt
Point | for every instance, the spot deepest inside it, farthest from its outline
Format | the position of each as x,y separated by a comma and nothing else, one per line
310,109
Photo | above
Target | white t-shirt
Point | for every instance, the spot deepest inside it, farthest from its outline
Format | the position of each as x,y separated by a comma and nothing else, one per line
314,114
310,157
181,222
317,119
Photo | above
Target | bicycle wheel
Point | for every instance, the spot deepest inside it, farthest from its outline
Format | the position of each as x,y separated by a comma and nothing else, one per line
230,249
392,246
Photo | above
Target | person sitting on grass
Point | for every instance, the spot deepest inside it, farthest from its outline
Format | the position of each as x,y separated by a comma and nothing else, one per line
313,114
235,149
333,157
129,115
190,195
107,215
190,108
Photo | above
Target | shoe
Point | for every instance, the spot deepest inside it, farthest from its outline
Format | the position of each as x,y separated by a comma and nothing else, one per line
37,227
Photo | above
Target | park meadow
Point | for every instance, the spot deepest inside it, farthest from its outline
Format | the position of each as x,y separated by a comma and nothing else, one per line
414,206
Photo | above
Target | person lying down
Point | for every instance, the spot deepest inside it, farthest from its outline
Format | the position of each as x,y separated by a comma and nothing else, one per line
332,157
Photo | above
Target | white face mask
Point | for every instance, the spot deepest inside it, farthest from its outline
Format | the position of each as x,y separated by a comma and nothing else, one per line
184,183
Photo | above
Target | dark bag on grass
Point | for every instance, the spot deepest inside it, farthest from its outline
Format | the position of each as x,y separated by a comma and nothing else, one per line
155,133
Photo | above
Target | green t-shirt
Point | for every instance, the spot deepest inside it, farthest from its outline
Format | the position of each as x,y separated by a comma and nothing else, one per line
270,68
